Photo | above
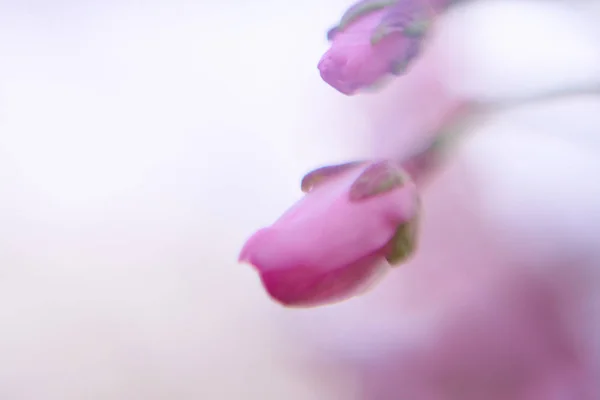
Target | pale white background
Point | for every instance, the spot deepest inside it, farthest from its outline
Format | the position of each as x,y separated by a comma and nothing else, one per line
140,144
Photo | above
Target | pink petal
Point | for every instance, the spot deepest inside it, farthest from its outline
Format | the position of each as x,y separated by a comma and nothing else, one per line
353,62
328,247
376,39
305,286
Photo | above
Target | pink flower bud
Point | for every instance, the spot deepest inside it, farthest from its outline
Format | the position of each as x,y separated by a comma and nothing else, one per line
375,39
354,220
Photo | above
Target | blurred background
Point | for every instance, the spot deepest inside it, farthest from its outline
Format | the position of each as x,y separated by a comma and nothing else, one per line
142,142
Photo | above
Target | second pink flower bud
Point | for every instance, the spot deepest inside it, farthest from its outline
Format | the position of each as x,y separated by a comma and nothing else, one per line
376,39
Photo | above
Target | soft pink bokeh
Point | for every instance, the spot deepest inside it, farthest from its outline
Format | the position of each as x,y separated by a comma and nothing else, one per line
499,301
